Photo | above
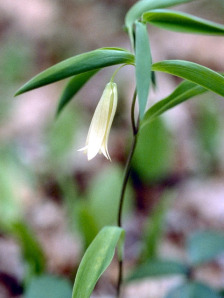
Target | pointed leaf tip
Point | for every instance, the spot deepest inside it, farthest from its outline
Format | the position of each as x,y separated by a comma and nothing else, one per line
78,64
182,22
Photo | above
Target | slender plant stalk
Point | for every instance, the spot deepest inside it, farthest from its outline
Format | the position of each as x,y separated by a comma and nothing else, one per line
124,185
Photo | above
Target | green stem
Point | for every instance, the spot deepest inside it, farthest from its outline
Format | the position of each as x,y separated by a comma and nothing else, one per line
116,71
124,184
134,126
125,180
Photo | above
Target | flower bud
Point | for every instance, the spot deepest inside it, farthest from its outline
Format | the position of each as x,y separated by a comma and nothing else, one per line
100,126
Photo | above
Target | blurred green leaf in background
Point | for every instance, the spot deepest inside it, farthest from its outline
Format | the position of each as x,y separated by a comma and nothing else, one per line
154,227
193,290
49,286
100,205
203,246
154,155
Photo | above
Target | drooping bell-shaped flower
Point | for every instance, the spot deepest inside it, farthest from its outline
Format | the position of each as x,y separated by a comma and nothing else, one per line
100,126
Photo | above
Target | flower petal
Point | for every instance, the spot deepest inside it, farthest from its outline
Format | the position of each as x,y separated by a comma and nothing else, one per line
98,134
98,124
113,107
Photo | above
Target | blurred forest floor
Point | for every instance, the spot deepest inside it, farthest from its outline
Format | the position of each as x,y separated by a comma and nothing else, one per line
41,173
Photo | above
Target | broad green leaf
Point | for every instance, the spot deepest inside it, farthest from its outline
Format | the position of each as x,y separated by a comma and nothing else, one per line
154,153
184,91
192,290
103,196
49,286
142,6
181,22
159,267
78,64
97,258
193,72
143,66
205,246
87,224
73,86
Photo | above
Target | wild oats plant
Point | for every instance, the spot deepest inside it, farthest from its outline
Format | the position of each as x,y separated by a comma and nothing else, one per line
81,68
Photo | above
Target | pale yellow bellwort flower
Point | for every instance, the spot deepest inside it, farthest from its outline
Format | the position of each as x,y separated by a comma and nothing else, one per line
100,126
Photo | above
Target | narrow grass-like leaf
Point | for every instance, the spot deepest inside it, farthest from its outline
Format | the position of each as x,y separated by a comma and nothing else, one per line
78,64
184,91
31,249
97,258
193,72
154,228
142,6
181,22
159,267
143,66
73,86
204,246
192,290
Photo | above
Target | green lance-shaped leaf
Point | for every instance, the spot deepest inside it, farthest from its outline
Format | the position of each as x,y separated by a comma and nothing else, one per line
136,11
97,258
193,72
78,64
73,86
204,246
184,91
181,22
143,66
158,267
192,290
